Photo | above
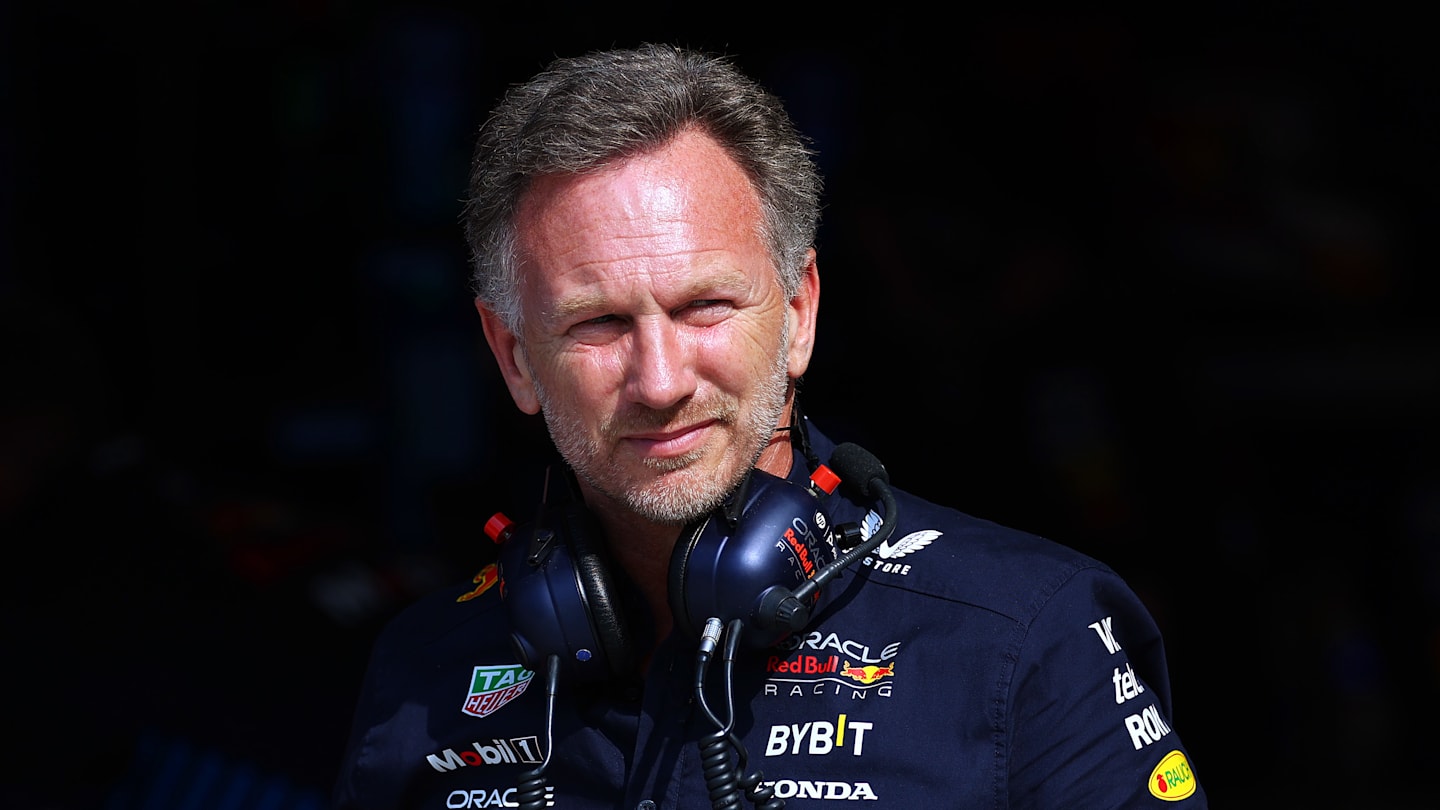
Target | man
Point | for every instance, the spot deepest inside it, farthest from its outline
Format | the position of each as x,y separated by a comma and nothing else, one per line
642,224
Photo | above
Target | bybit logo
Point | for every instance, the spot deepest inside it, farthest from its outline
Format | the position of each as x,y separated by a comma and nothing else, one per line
818,738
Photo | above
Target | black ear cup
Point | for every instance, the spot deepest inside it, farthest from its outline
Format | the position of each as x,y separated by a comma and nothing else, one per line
559,592
676,580
602,599
744,559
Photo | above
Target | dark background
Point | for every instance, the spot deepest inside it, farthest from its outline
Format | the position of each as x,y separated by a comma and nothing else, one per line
1161,289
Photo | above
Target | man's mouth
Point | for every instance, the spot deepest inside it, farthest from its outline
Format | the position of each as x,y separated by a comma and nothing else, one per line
671,442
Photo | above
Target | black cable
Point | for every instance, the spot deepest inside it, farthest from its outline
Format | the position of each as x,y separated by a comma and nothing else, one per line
530,791
715,762
762,796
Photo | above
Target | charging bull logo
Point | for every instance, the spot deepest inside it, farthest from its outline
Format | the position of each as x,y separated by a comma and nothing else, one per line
483,581
867,674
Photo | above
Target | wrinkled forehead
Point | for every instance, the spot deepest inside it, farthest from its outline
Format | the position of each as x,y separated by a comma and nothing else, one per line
686,196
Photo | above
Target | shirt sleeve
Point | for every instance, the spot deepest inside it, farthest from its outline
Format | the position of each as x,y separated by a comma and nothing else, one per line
369,776
1091,721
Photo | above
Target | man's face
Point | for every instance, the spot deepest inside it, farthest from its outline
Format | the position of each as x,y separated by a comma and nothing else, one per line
656,339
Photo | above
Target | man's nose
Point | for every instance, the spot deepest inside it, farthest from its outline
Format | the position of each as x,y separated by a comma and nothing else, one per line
662,369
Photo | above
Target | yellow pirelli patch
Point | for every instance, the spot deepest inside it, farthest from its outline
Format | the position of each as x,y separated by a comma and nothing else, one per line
1172,780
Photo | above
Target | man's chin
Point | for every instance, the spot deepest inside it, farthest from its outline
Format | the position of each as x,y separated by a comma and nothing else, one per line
679,496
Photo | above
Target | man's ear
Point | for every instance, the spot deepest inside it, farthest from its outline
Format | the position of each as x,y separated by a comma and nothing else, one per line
802,310
506,348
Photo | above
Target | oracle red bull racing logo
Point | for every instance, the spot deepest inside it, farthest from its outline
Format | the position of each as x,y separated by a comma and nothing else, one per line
826,664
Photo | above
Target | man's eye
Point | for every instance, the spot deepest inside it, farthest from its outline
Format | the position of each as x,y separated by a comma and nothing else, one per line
707,312
600,329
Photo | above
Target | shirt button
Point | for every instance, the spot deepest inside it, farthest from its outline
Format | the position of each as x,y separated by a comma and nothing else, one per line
645,804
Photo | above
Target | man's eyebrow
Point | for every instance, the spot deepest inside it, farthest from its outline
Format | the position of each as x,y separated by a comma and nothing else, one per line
593,302
567,308
727,279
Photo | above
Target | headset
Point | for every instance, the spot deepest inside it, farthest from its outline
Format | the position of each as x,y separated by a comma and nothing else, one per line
752,570
742,560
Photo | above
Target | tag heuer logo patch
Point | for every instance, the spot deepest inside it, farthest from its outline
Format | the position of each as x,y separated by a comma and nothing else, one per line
494,686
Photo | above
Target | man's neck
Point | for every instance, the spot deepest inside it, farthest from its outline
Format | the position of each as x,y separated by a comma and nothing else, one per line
642,549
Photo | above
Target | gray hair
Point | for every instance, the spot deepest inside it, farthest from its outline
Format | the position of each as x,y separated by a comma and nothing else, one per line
582,113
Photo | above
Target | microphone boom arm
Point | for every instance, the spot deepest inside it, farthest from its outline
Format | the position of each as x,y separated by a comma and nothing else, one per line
829,572
785,610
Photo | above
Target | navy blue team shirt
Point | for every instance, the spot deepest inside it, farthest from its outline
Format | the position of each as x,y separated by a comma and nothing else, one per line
961,665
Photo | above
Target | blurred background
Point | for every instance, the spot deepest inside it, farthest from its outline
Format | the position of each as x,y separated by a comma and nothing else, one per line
1158,288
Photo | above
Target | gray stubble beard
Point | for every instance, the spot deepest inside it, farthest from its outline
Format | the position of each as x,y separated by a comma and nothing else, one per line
675,504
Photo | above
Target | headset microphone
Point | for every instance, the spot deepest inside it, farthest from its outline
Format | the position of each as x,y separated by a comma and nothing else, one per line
860,469
863,473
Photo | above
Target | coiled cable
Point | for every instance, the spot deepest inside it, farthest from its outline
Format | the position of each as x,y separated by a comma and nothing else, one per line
530,790
726,787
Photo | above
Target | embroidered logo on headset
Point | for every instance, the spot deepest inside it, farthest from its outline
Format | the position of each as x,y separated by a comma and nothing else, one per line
493,686
1172,779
